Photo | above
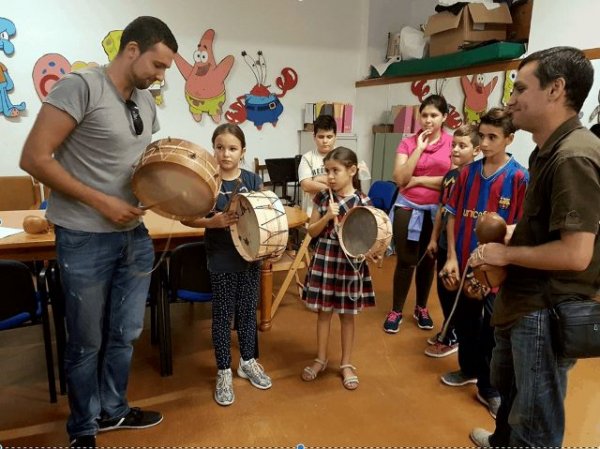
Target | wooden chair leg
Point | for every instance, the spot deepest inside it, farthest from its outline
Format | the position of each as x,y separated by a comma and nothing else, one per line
291,273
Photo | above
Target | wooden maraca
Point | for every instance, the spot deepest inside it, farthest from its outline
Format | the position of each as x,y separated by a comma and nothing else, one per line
32,224
490,228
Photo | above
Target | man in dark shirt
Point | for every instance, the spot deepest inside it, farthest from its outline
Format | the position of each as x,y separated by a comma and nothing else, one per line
553,254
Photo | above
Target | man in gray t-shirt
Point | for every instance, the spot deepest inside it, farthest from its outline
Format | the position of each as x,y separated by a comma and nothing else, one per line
89,134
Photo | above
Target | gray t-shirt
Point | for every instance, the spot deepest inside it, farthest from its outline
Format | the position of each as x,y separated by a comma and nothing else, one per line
102,150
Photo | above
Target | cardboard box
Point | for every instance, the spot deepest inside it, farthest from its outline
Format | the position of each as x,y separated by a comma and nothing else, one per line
521,21
475,23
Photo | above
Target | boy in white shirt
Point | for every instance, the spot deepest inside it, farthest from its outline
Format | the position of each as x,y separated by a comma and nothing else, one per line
311,171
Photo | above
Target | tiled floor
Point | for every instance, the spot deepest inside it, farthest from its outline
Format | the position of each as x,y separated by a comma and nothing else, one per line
400,400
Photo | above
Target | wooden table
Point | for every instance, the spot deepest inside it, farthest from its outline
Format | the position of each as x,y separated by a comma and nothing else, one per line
163,231
166,235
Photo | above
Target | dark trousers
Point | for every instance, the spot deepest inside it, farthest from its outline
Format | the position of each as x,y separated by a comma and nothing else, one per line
476,340
408,253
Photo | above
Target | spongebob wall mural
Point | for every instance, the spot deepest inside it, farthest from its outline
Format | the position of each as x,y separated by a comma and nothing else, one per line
260,106
205,79
111,44
8,109
509,81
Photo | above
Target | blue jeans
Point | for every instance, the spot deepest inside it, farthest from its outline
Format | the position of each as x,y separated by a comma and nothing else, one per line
532,381
105,278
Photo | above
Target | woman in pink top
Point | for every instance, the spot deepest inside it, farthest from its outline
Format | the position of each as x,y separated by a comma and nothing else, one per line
422,161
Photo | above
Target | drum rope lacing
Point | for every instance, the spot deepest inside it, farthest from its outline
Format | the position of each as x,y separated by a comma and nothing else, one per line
356,268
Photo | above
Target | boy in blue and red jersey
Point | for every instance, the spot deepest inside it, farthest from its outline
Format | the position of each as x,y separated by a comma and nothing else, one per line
495,183
465,147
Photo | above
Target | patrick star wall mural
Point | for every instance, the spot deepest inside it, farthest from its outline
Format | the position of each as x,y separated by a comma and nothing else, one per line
260,106
205,79
8,109
476,96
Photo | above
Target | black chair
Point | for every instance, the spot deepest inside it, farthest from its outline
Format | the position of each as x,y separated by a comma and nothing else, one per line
25,305
184,279
284,171
57,302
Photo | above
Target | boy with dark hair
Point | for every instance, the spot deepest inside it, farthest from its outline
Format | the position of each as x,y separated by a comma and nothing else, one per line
311,170
465,147
495,183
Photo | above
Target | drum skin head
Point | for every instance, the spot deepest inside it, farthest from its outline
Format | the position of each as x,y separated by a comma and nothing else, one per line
247,226
360,232
177,179
261,231
365,230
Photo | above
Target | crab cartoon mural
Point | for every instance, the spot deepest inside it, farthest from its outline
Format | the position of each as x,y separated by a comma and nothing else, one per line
260,106
205,80
7,31
421,90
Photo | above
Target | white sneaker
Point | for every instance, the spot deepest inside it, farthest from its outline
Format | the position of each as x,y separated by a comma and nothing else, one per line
480,437
255,373
224,389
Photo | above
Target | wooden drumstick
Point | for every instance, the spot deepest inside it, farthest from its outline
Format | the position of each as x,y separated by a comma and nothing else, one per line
238,184
336,221
159,203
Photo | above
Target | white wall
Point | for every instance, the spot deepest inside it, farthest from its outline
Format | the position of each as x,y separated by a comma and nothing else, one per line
573,23
390,16
553,23
321,40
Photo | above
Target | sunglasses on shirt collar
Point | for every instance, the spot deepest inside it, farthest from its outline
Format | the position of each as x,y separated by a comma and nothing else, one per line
138,124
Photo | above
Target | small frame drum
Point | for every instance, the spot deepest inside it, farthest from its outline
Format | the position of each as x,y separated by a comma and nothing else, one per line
365,230
177,179
261,231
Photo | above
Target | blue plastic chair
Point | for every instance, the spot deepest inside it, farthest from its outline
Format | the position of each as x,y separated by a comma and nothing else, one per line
383,195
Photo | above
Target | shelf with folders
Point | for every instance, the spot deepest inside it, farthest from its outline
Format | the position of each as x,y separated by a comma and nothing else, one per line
343,114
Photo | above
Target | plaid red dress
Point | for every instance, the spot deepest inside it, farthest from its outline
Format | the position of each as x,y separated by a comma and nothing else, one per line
333,283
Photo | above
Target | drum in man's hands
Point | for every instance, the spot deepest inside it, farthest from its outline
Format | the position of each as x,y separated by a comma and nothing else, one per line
177,179
261,231
365,231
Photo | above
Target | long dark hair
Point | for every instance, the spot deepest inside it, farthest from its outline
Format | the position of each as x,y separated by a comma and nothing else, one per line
229,128
347,158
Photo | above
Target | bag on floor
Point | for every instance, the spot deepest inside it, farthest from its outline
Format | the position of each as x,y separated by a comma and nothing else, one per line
576,328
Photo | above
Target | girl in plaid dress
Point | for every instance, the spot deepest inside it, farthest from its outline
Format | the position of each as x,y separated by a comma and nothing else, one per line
335,283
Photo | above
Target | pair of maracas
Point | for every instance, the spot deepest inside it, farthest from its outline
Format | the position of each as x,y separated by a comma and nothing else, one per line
490,228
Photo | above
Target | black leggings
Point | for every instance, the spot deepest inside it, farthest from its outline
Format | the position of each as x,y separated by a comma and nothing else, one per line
408,253
234,293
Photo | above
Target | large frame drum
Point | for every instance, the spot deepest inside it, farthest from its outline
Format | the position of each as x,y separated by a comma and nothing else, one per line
261,231
177,179
365,230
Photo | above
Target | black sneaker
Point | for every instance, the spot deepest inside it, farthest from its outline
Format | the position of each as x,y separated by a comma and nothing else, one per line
84,441
135,419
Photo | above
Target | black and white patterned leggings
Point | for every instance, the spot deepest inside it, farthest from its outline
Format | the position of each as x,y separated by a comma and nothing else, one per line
234,293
